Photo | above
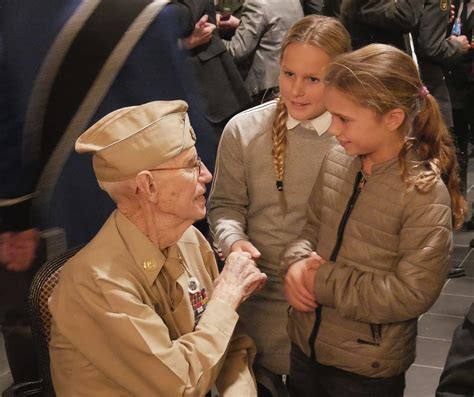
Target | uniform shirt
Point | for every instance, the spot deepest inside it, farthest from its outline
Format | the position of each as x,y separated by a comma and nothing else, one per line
123,323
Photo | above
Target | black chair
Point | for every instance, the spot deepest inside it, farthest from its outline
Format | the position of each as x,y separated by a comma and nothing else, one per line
41,289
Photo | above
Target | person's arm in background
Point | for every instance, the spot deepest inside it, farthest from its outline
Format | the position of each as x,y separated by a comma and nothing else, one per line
191,12
401,16
249,31
433,45
195,28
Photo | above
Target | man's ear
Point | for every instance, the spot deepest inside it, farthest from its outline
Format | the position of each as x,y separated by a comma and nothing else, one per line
147,185
394,119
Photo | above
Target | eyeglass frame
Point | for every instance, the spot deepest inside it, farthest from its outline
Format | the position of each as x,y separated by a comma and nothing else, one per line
198,165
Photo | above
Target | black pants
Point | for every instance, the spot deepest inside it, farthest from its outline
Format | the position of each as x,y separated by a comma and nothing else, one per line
462,134
15,326
310,379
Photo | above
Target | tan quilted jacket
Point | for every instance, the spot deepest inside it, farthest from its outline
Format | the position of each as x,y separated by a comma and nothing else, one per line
384,269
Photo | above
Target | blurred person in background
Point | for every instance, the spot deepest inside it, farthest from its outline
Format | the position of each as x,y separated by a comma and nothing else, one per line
435,49
376,21
255,44
460,82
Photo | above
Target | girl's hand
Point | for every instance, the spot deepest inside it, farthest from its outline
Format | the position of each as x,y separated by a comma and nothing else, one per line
312,264
246,246
299,282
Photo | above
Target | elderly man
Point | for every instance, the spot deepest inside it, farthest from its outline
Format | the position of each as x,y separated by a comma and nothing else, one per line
141,309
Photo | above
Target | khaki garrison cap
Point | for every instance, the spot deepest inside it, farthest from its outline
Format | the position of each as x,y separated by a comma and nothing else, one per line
137,138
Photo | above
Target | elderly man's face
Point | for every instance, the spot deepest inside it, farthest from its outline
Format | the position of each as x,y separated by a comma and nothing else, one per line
181,190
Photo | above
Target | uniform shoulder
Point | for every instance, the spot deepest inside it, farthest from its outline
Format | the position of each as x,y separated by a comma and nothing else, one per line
96,261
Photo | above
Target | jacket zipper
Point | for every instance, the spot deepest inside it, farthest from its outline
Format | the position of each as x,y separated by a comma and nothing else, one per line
358,184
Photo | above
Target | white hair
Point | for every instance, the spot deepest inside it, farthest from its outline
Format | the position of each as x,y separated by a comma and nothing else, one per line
118,191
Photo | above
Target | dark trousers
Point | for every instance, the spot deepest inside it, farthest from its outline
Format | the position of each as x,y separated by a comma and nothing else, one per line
311,379
457,378
461,139
15,326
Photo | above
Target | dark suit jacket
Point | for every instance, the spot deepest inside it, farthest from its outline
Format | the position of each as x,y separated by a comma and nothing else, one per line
434,51
216,80
460,75
376,21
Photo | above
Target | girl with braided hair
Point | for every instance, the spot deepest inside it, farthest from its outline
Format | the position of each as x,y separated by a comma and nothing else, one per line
267,162
374,253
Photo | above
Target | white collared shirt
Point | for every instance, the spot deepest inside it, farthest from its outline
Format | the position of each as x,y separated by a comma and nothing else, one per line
320,124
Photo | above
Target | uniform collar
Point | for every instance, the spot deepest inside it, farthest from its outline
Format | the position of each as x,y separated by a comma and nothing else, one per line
148,258
320,124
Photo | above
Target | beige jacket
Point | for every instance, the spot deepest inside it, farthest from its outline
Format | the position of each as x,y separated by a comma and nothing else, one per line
123,324
390,268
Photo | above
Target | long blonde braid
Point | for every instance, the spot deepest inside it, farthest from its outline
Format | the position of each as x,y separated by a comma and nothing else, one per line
279,142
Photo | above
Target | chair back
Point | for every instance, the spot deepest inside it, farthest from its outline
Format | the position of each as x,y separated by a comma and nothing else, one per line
41,289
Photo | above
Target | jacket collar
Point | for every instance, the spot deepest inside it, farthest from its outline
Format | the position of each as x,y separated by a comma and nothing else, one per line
392,164
148,258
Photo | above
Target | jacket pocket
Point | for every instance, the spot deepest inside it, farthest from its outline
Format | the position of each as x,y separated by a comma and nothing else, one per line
376,330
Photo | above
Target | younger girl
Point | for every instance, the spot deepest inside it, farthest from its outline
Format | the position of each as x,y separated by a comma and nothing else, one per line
267,163
380,218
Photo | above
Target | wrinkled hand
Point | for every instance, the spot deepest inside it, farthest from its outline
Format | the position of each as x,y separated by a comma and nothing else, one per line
228,24
201,34
464,42
246,246
18,249
239,278
299,283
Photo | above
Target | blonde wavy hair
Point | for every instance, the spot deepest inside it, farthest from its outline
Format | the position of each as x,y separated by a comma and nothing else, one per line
329,35
382,78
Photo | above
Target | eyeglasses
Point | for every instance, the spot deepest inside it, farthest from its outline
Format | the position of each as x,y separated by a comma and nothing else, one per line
197,164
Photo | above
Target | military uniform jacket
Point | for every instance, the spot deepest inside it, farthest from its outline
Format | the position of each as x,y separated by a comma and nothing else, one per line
123,323
434,51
